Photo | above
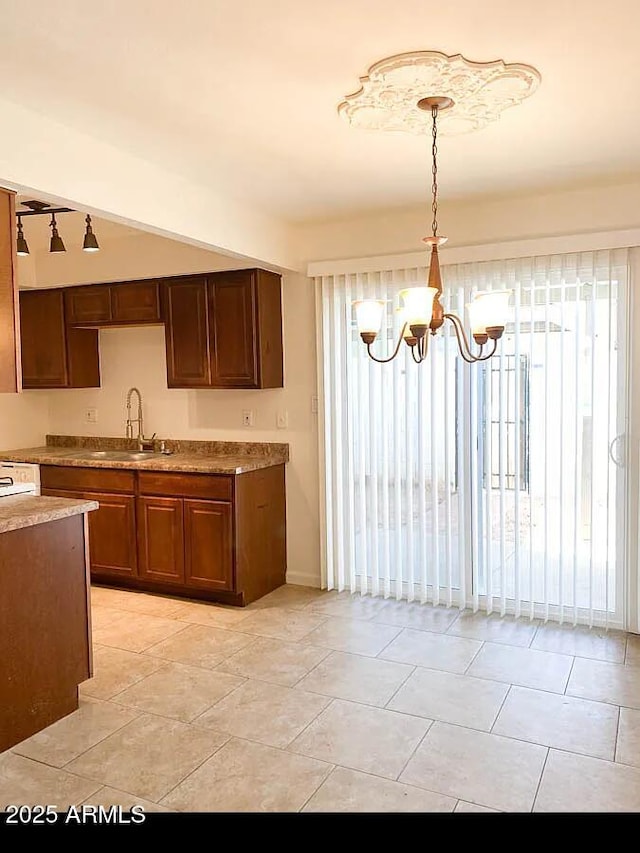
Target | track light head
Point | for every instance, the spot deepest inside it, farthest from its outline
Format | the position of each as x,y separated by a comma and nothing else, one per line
56,244
90,243
22,247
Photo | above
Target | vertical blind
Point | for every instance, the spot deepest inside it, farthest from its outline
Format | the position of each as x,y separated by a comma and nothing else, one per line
498,486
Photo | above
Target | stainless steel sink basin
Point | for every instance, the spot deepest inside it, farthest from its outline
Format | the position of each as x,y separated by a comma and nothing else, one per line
117,455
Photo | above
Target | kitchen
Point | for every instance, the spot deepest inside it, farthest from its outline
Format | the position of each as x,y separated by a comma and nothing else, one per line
302,510
169,504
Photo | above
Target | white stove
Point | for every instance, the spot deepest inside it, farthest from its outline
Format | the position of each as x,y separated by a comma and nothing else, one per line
17,478
15,488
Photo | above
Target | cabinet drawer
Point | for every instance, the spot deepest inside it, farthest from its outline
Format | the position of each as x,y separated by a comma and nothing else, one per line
136,302
88,304
212,486
87,479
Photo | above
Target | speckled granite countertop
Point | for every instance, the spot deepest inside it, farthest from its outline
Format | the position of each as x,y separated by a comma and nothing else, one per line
18,511
203,457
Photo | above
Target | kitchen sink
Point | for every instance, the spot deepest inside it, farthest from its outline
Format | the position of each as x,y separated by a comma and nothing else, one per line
117,455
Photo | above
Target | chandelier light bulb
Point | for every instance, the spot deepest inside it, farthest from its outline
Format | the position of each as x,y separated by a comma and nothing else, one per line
488,312
418,304
369,316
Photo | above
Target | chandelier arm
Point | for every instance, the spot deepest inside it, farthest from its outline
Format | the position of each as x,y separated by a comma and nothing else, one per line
424,347
393,355
463,342
490,354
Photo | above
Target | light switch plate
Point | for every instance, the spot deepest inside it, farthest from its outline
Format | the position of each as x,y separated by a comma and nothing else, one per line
248,417
282,420
91,415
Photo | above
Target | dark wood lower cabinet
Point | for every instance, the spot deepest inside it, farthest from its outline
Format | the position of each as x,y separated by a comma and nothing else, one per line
112,532
112,536
45,633
209,545
205,536
161,539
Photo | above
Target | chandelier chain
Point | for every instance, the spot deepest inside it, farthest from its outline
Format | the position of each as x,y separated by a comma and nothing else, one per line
434,169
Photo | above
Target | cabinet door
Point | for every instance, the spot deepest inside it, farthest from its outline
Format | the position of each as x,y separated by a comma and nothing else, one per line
161,539
208,536
112,535
91,304
135,303
187,333
44,357
233,330
112,532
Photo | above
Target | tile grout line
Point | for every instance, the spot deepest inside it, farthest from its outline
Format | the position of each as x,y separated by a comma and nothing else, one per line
315,666
615,743
287,748
392,640
502,704
468,667
315,791
544,767
399,687
566,686
413,752
191,772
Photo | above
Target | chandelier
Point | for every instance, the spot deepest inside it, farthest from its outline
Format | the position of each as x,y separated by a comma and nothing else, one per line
422,311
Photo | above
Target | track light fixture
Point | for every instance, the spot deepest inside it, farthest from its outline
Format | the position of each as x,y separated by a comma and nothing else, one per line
22,246
40,208
90,243
56,244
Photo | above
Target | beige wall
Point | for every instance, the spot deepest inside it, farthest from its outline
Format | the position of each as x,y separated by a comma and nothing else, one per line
24,419
472,222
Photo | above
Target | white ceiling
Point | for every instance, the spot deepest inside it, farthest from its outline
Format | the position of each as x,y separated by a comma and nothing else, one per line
241,95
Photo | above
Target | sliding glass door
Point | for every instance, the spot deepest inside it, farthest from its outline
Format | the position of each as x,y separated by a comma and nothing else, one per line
501,485
548,427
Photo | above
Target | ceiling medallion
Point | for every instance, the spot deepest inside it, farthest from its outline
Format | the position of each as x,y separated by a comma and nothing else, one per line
479,91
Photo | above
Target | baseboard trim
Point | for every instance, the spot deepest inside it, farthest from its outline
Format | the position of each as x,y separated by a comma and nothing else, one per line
304,579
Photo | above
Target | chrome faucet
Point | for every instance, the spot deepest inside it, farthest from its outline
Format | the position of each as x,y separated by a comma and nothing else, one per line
143,443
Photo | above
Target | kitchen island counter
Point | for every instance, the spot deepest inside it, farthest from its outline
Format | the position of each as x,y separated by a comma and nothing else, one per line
45,623
18,511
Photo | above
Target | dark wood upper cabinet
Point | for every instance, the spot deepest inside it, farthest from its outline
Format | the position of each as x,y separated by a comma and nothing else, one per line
123,304
8,294
136,303
161,539
222,330
187,333
246,329
230,338
91,304
53,354
232,304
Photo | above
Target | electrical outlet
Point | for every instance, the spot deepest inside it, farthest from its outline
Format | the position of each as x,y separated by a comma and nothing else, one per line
248,417
282,420
91,415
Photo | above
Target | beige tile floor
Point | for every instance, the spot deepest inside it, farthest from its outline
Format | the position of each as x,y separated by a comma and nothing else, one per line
312,701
